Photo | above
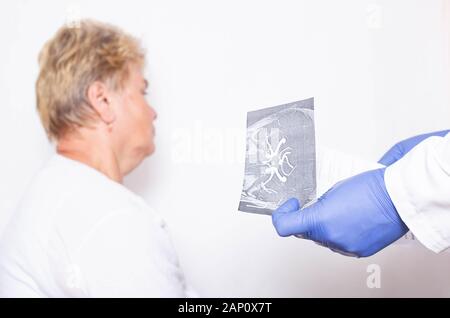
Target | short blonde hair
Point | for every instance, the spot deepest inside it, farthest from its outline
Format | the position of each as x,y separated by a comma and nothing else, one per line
71,61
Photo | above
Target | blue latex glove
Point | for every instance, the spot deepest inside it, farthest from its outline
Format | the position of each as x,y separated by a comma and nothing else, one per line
355,217
403,147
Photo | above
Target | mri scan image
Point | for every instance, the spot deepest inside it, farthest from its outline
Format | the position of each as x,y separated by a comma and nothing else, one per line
280,160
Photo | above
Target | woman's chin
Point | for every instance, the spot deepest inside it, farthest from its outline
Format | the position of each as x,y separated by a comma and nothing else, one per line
150,149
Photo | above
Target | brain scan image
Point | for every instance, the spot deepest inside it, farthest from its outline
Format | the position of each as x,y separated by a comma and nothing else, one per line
280,160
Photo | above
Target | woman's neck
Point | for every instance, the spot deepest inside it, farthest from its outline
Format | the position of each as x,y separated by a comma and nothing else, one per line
92,150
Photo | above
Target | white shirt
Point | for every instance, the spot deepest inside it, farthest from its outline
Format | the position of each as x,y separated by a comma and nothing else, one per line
77,233
419,186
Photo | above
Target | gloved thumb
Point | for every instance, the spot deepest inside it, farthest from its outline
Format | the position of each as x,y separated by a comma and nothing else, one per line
402,148
392,155
288,219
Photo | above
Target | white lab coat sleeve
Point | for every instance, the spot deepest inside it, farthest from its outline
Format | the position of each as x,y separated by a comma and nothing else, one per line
419,186
129,254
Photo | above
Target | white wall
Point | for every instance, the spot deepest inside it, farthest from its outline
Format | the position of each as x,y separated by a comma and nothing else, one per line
378,71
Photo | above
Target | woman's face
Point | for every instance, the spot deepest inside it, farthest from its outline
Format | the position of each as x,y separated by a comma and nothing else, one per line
133,130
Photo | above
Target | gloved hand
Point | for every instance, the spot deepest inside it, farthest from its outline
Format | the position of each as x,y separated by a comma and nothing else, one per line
355,217
403,147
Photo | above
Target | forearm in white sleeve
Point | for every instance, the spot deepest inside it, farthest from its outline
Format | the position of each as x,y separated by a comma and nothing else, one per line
419,186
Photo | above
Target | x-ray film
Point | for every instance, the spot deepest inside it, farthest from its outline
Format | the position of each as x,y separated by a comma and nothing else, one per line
280,160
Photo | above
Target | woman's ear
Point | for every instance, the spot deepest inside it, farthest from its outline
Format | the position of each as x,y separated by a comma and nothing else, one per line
99,97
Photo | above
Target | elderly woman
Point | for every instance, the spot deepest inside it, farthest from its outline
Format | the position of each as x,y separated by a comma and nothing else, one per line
78,231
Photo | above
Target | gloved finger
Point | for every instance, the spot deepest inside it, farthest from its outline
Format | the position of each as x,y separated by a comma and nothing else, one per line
293,223
400,149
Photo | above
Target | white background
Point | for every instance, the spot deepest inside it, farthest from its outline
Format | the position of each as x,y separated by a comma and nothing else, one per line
378,71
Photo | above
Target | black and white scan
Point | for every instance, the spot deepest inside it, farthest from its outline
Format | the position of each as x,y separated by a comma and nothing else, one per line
280,160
